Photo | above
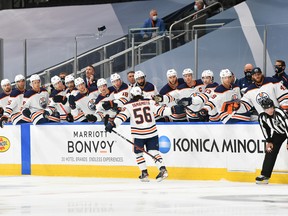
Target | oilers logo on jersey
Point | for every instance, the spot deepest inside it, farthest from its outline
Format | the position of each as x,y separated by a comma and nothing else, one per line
92,104
43,102
261,96
234,97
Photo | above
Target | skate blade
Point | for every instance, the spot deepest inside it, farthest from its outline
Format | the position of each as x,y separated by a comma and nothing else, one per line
144,180
162,178
262,182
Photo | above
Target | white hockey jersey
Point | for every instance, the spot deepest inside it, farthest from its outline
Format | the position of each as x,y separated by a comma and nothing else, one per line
63,109
37,102
14,106
85,104
141,114
217,102
271,88
184,91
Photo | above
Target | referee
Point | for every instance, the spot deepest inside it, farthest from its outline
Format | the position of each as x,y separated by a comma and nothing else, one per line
274,124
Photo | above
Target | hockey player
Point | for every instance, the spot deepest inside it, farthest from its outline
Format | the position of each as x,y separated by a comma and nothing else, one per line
121,93
147,88
225,101
58,99
173,83
105,102
83,105
190,88
274,124
207,77
261,88
15,103
36,103
4,96
143,128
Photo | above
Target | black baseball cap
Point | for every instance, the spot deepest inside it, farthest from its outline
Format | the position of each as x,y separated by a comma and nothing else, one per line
256,70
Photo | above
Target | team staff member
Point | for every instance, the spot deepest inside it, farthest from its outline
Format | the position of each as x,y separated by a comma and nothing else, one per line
274,124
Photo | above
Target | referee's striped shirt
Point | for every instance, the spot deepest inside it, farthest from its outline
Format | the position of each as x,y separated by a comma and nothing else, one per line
278,123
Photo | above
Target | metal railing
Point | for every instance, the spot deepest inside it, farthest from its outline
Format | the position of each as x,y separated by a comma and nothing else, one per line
187,18
194,32
75,59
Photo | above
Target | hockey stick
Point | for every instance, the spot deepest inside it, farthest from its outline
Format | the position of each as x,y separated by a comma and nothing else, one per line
137,147
228,117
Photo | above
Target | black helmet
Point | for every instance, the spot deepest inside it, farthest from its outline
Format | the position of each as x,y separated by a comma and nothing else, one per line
267,103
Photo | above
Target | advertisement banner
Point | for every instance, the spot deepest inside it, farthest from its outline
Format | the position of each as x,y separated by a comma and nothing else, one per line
80,145
234,147
10,150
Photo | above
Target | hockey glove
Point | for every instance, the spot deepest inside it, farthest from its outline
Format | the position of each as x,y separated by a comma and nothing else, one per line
109,105
91,118
26,112
46,114
185,101
1,111
72,102
60,99
203,115
177,109
158,98
3,121
109,127
69,117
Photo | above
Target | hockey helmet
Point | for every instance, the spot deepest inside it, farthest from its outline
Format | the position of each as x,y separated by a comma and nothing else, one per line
114,77
34,77
5,82
69,78
225,73
208,73
138,74
267,103
256,70
101,82
171,72
55,80
78,81
187,71
19,77
135,91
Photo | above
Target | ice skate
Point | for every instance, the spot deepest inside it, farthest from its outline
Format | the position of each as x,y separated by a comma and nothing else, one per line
144,176
163,174
262,179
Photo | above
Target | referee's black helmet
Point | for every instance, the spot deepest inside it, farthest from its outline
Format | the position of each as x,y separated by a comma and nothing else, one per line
267,103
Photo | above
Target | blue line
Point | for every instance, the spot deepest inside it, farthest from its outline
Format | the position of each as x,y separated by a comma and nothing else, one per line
25,149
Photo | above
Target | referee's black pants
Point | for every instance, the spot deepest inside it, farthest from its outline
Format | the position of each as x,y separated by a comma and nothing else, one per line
270,158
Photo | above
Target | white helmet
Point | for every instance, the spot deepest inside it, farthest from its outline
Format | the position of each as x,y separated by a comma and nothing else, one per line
187,71
114,77
171,72
225,73
138,74
78,81
69,78
5,82
208,73
19,77
55,80
101,82
34,77
136,91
